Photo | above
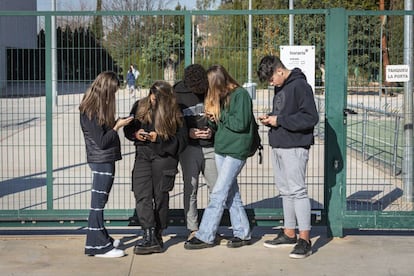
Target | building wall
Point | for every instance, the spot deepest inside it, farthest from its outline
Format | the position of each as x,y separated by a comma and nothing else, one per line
16,31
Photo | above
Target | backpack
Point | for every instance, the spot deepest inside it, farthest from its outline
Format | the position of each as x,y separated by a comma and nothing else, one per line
257,142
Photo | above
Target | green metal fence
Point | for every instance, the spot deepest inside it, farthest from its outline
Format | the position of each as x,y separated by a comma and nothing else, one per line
44,176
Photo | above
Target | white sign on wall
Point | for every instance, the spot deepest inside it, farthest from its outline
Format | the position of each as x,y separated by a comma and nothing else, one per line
397,73
302,57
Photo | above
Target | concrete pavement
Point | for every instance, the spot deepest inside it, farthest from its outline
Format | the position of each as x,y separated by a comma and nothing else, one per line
60,252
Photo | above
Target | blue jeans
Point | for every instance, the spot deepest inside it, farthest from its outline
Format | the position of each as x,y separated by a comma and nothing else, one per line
225,194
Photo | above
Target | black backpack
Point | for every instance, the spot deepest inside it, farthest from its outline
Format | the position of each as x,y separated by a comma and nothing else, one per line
257,141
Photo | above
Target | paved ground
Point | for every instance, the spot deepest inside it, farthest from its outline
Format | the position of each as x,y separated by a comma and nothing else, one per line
60,252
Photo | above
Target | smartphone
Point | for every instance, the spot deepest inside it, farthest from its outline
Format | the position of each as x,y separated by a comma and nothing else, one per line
144,133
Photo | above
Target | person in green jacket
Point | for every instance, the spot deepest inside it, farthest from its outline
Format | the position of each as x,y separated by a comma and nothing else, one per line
229,108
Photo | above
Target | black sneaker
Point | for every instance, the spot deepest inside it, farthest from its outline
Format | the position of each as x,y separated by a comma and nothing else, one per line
301,250
237,242
280,241
195,243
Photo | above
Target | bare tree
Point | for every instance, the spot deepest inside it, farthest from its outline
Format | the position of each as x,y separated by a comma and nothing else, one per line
135,5
75,22
384,40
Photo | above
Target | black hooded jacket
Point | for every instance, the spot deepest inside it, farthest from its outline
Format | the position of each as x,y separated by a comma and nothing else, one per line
192,107
294,106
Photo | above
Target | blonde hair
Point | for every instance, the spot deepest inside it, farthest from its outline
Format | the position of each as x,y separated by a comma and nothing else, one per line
166,112
221,85
99,99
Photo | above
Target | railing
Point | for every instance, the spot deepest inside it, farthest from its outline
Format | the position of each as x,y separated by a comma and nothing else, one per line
361,135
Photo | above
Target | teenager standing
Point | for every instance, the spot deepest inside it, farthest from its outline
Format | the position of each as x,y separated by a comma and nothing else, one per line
103,148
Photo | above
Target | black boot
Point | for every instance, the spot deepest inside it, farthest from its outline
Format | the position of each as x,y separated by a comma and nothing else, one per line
149,243
158,235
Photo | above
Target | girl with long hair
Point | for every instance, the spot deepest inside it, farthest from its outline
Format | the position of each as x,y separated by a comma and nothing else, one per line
103,148
229,108
159,135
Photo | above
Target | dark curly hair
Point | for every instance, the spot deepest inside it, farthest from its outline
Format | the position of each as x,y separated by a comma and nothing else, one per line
195,79
268,66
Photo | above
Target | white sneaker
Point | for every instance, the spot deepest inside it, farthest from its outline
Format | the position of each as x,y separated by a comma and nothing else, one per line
116,243
114,253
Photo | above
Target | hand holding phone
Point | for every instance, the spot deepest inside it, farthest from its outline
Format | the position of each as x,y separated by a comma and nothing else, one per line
268,120
121,122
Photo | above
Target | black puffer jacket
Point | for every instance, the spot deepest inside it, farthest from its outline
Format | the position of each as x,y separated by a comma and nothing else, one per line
102,142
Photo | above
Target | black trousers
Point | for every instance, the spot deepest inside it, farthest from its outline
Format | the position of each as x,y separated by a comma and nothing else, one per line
98,240
153,178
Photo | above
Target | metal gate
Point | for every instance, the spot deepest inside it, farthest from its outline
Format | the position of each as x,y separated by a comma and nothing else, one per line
45,179
368,175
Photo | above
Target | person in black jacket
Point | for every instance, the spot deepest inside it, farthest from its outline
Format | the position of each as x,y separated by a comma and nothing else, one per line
291,125
159,135
103,148
198,156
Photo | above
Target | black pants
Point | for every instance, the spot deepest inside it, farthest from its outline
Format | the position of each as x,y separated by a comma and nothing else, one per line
152,179
98,240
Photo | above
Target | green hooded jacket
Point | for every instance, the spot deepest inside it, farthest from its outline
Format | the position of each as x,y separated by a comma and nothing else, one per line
235,130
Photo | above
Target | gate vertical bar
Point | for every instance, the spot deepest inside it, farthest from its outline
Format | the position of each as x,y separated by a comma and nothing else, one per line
335,143
408,163
188,37
49,110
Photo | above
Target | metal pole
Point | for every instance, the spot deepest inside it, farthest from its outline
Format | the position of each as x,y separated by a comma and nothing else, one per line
249,85
291,24
249,54
54,56
408,165
380,65
193,37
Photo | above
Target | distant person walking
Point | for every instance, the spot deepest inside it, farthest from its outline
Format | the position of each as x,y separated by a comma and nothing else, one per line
131,82
134,71
103,148
291,125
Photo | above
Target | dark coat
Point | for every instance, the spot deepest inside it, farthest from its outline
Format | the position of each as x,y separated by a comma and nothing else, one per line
192,107
171,147
294,106
102,142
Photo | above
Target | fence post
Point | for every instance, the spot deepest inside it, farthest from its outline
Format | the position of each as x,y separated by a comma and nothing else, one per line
187,38
364,134
395,149
49,111
335,122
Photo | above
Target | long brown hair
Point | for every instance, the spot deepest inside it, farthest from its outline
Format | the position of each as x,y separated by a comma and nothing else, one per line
165,112
221,85
99,99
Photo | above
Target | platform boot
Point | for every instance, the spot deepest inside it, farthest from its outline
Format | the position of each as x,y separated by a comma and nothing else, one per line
149,244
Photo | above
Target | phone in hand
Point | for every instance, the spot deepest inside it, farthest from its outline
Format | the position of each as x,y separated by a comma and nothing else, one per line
129,116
